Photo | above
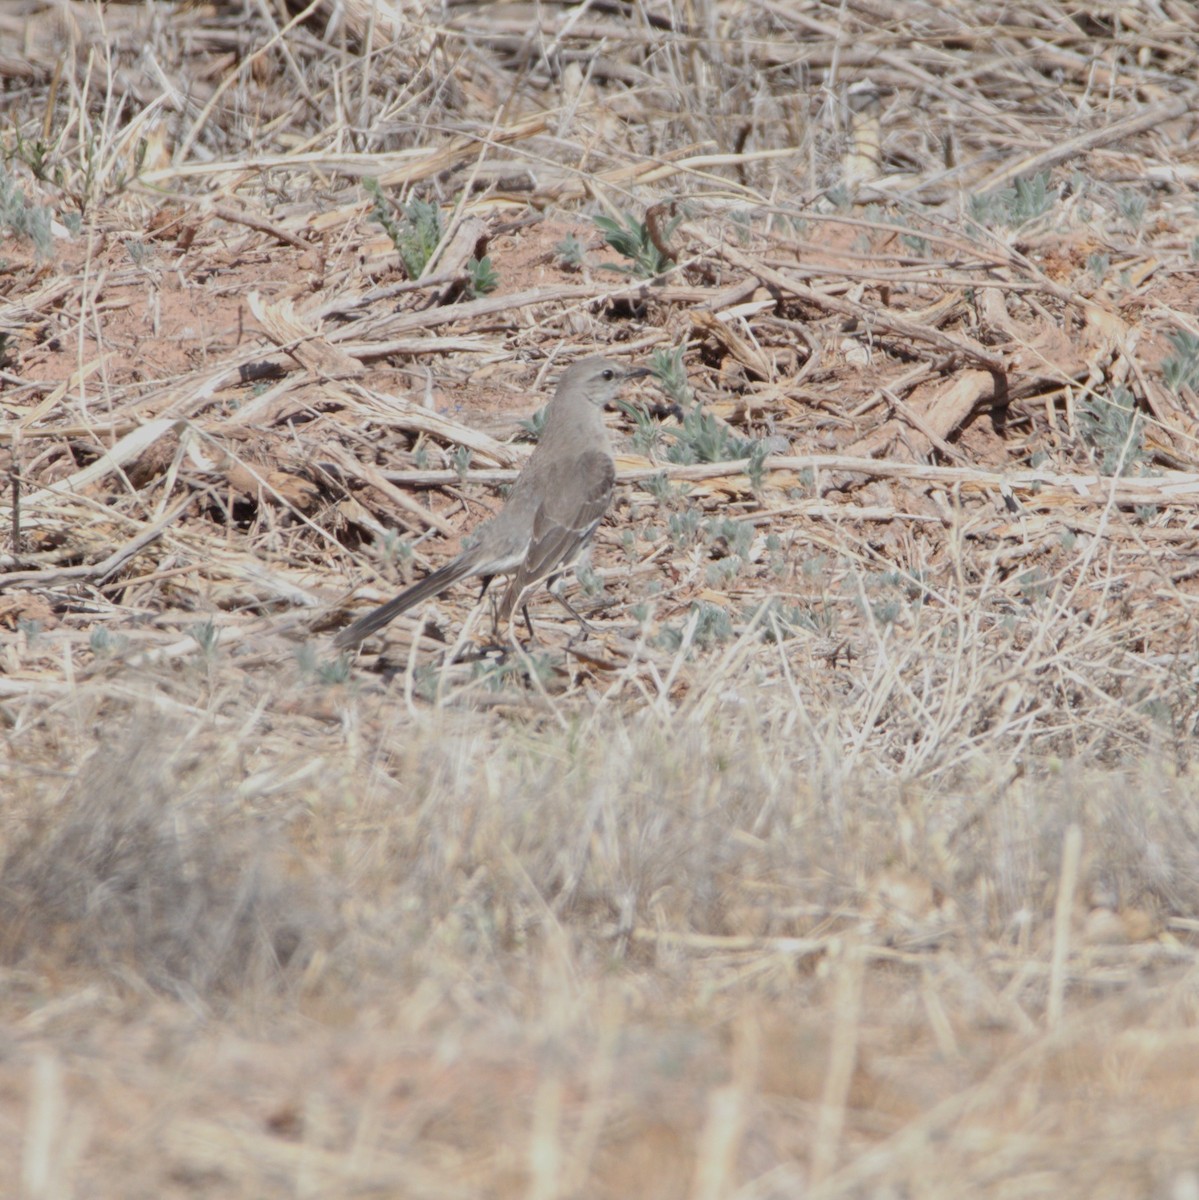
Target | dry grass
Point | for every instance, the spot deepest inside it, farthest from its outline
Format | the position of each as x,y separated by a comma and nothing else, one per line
856,854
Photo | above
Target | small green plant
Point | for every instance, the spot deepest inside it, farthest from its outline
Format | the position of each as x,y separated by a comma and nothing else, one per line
570,253
885,607
419,235
1098,266
27,220
632,240
781,621
647,432
886,612
396,549
823,617
776,556
139,252
755,469
425,681
1032,198
496,673
590,581
736,537
206,635
1113,428
416,236
335,670
1131,206
815,567
722,572
921,247
742,221
460,461
911,585
666,493
105,644
382,210
1159,711
1033,585
1014,206
312,667
483,278
89,173
1181,369
683,528
660,487
535,424
704,438
840,197
36,156
667,368
713,625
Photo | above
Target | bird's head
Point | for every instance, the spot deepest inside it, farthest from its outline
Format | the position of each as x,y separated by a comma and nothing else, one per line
599,380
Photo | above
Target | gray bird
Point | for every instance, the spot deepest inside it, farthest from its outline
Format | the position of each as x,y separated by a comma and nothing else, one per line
555,504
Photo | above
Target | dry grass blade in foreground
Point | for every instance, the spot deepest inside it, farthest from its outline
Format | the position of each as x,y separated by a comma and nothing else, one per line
865,823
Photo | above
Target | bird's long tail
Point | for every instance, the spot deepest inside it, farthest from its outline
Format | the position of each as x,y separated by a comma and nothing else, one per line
430,586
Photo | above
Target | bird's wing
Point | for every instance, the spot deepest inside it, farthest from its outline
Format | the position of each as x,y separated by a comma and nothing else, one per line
575,495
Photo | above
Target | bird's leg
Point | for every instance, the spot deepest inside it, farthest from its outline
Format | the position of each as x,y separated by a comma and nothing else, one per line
585,626
497,643
524,609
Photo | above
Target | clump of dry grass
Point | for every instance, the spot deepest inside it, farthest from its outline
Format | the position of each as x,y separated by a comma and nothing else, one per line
722,825
146,870
580,943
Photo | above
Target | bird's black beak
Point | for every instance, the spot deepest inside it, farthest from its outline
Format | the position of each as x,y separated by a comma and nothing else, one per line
627,374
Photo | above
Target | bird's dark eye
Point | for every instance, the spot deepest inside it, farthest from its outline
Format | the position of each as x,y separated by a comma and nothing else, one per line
608,374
